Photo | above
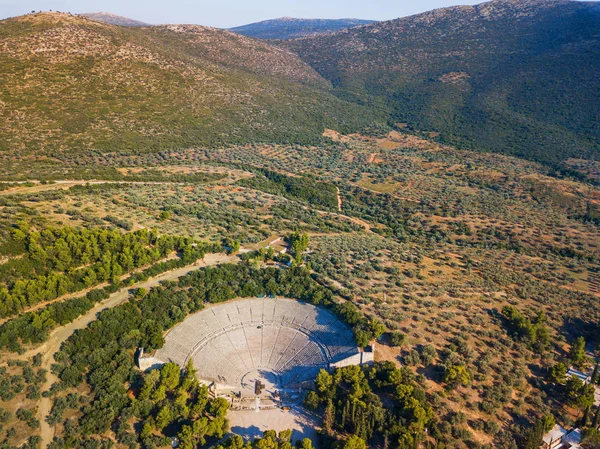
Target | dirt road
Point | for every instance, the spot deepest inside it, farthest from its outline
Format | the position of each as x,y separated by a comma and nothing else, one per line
339,199
81,293
61,334
66,184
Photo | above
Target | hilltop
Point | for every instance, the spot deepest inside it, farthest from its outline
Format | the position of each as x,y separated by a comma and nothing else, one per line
290,27
92,85
113,19
516,77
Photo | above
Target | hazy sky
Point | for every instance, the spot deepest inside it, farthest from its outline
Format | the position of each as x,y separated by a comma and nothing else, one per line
228,13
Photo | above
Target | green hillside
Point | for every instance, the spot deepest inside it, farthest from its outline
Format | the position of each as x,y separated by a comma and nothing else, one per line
517,77
70,83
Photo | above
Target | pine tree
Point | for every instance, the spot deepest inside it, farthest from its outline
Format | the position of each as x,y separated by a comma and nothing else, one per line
533,438
344,416
577,354
164,417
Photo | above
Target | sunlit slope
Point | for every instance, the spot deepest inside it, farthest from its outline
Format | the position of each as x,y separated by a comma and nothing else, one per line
67,82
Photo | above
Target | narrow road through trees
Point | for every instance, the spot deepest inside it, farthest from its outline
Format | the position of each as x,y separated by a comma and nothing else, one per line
61,334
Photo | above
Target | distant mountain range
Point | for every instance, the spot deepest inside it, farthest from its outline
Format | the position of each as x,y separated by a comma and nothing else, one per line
113,19
511,76
290,28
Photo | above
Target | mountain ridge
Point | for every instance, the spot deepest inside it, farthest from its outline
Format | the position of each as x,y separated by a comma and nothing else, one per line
291,27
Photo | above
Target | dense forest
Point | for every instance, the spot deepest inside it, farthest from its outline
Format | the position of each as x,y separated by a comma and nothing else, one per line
35,327
351,403
305,189
65,260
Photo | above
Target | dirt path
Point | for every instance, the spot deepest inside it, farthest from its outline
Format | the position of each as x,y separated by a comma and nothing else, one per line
339,198
61,334
67,184
81,293
62,185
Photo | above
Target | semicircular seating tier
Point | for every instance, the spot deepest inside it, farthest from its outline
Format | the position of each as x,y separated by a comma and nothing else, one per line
291,339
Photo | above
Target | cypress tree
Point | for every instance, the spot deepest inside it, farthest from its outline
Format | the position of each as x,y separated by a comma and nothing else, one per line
329,417
596,421
594,379
584,418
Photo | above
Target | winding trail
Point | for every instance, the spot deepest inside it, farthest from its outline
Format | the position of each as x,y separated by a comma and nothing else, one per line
61,334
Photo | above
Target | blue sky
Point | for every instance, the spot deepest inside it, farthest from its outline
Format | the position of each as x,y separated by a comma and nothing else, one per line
228,13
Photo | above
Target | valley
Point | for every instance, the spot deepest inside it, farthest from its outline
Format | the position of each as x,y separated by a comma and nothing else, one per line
434,219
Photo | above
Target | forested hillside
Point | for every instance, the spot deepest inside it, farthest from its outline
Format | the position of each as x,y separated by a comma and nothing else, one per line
517,77
504,76
97,86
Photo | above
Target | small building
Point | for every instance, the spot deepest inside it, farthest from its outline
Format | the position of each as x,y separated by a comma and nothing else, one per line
560,438
553,439
585,377
366,357
147,363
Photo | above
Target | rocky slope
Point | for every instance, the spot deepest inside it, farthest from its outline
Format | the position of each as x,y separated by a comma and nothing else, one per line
113,19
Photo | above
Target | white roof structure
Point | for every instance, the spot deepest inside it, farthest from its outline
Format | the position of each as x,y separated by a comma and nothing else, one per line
281,341
555,435
559,438
574,372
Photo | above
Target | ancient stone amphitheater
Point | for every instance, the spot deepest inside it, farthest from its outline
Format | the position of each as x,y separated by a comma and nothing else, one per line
281,342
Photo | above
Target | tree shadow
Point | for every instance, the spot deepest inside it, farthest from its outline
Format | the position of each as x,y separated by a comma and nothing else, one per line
247,433
432,372
302,422
575,327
